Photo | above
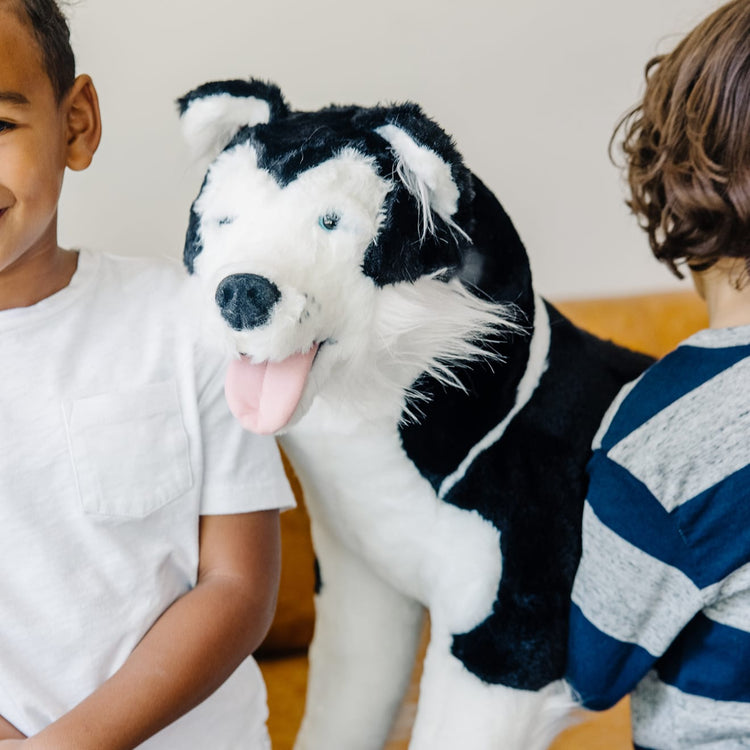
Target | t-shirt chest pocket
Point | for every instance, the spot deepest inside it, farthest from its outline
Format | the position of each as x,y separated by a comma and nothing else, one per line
130,450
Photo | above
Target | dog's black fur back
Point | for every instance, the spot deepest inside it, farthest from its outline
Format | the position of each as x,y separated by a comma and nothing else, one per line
531,483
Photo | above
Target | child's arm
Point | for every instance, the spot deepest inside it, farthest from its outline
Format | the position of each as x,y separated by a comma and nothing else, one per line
193,647
8,731
633,591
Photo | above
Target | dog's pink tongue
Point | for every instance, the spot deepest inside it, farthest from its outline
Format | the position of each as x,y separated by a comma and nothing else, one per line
263,397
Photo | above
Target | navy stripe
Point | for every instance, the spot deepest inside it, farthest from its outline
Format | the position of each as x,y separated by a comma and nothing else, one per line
680,372
716,524
625,505
709,660
601,669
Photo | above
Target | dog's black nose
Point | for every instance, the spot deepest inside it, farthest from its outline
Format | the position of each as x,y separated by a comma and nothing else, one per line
246,300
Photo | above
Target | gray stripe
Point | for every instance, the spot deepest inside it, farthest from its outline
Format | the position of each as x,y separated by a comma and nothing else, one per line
628,594
610,414
732,604
695,442
667,719
719,338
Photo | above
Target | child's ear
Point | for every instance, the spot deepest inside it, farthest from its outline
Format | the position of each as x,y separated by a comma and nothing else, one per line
83,122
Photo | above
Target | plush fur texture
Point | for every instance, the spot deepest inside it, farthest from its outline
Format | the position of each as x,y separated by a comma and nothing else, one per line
443,430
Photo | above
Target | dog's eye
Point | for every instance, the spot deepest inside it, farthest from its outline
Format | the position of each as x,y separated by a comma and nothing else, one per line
329,222
224,220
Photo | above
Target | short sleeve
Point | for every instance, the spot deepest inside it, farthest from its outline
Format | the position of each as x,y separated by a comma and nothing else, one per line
242,472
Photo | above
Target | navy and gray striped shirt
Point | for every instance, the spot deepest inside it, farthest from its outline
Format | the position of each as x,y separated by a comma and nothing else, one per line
661,600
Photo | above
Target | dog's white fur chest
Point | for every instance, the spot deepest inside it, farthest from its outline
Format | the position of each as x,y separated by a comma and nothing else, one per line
362,486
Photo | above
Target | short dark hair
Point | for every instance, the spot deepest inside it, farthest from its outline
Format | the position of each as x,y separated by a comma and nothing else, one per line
687,144
53,37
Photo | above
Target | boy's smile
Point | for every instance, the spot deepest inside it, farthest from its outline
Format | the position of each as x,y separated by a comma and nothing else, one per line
38,139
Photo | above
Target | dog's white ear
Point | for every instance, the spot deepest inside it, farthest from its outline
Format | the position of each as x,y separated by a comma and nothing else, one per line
212,114
424,172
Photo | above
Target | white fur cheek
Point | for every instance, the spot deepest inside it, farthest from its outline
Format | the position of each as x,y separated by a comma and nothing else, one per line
346,316
346,348
249,223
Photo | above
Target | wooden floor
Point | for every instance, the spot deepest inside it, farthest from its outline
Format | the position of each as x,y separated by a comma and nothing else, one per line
286,679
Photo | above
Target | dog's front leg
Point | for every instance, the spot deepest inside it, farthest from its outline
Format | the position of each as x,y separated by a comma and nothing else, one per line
361,657
459,710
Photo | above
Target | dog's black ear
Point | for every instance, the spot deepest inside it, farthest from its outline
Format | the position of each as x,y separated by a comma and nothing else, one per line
212,114
425,226
427,162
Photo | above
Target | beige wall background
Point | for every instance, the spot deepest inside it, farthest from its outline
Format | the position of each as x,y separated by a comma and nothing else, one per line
530,90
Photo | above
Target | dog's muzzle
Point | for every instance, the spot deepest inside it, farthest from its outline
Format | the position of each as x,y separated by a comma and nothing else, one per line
246,300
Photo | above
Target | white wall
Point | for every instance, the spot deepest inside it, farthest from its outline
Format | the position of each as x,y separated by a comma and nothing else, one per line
530,89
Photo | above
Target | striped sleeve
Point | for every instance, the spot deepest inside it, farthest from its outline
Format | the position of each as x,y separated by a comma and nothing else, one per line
661,600
633,592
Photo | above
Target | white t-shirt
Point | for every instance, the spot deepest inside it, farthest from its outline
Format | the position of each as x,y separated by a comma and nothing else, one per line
114,439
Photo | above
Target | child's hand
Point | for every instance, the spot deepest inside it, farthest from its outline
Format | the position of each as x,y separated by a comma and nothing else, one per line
185,651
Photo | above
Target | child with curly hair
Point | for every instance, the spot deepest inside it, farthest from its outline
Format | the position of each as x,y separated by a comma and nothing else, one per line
661,601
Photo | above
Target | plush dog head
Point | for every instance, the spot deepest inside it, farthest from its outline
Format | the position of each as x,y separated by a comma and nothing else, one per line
318,238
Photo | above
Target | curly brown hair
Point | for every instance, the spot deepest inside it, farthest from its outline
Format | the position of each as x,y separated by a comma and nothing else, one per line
687,145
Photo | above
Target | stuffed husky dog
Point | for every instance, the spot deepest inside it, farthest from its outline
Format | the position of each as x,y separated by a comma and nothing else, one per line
378,306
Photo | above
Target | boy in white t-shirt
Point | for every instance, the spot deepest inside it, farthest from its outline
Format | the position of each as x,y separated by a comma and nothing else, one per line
139,536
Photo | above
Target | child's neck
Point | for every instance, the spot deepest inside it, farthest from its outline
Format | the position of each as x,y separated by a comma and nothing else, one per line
726,289
36,276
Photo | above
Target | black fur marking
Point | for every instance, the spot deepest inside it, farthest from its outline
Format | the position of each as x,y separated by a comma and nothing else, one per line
499,269
253,88
531,483
318,576
193,243
304,140
400,253
246,300
426,132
